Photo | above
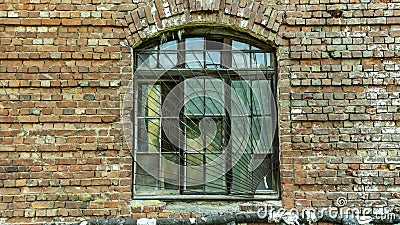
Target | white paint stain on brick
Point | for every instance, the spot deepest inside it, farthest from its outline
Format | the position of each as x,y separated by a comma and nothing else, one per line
153,10
12,14
243,23
391,130
104,7
145,221
297,111
44,14
167,12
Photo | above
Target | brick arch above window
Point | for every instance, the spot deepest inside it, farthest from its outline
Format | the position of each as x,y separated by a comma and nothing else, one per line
254,18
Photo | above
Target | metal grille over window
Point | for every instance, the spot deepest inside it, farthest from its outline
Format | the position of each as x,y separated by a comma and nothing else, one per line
204,118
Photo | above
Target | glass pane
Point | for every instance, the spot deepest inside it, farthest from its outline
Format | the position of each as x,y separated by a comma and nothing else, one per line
264,175
195,106
171,45
214,136
213,54
170,171
261,97
194,44
215,97
172,135
168,60
193,139
258,61
172,99
147,59
262,131
214,105
149,100
242,179
240,60
236,45
240,94
194,96
240,136
265,184
195,171
269,60
147,172
213,59
148,135
194,59
194,52
240,130
215,174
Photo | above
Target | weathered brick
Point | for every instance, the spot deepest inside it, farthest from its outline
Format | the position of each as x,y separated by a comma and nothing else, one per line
66,66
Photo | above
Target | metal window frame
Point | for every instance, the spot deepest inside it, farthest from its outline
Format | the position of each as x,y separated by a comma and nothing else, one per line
271,74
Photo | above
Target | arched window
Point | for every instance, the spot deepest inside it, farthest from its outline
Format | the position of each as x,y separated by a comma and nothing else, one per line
205,116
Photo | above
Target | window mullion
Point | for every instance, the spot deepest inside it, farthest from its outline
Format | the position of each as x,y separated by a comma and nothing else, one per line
227,134
182,149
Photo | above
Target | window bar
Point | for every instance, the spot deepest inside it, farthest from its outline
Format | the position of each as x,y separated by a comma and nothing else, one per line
206,72
229,174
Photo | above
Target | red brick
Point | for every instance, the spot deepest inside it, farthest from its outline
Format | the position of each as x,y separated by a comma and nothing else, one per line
31,22
71,22
10,21
139,215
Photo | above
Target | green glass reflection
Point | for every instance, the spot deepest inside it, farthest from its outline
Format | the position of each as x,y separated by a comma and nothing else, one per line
240,94
215,176
194,96
242,180
262,134
261,97
215,97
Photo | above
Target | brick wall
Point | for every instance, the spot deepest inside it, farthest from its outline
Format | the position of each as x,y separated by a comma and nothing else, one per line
65,65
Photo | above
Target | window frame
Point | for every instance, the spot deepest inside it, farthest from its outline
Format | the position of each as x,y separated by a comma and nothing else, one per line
177,194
